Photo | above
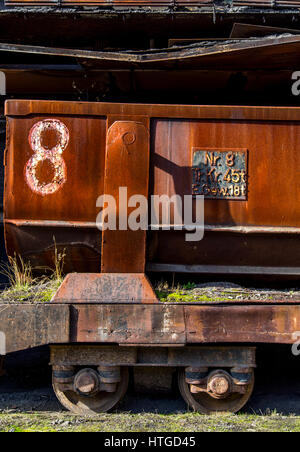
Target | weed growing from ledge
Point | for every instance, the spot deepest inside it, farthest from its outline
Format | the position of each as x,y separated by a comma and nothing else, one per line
24,286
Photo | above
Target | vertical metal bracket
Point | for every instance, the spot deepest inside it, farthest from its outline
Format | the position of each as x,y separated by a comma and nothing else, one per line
126,165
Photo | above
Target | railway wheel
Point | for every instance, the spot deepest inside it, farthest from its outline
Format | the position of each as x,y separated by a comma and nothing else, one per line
218,391
89,391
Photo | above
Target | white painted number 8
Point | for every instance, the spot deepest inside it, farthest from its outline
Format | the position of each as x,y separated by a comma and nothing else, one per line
54,156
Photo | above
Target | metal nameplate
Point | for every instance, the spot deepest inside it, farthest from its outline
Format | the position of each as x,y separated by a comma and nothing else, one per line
220,174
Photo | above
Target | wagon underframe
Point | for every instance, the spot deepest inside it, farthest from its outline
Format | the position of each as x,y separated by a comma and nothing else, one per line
161,325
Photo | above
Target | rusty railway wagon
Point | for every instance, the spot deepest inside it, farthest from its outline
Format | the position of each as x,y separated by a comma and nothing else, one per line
106,318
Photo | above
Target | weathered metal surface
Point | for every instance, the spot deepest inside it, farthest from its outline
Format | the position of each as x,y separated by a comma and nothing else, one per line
219,174
85,134
227,253
267,3
142,326
28,325
241,30
124,3
174,142
258,52
188,324
152,3
81,242
90,109
105,288
128,324
264,324
94,355
235,229
225,270
126,165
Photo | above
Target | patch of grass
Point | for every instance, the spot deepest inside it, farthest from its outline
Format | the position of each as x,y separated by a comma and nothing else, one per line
189,286
59,262
180,296
24,287
219,293
40,291
147,422
187,293
18,272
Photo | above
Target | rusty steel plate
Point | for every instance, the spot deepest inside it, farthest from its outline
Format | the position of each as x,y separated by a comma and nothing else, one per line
128,324
258,324
95,160
175,325
124,3
126,165
32,325
27,326
105,288
219,174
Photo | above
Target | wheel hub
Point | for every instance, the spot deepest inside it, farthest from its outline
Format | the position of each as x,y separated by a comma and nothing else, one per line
219,385
87,382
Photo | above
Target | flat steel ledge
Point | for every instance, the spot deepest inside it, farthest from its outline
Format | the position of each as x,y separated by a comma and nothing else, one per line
27,326
160,227
165,111
53,223
152,10
222,269
162,305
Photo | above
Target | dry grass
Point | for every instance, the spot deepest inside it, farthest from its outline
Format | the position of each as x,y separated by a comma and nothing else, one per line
24,286
18,273
59,262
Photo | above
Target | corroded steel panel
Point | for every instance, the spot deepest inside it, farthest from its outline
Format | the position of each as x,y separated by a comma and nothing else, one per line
57,180
31,325
124,3
229,112
83,158
126,165
187,324
273,173
27,326
128,324
105,288
235,228
265,324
